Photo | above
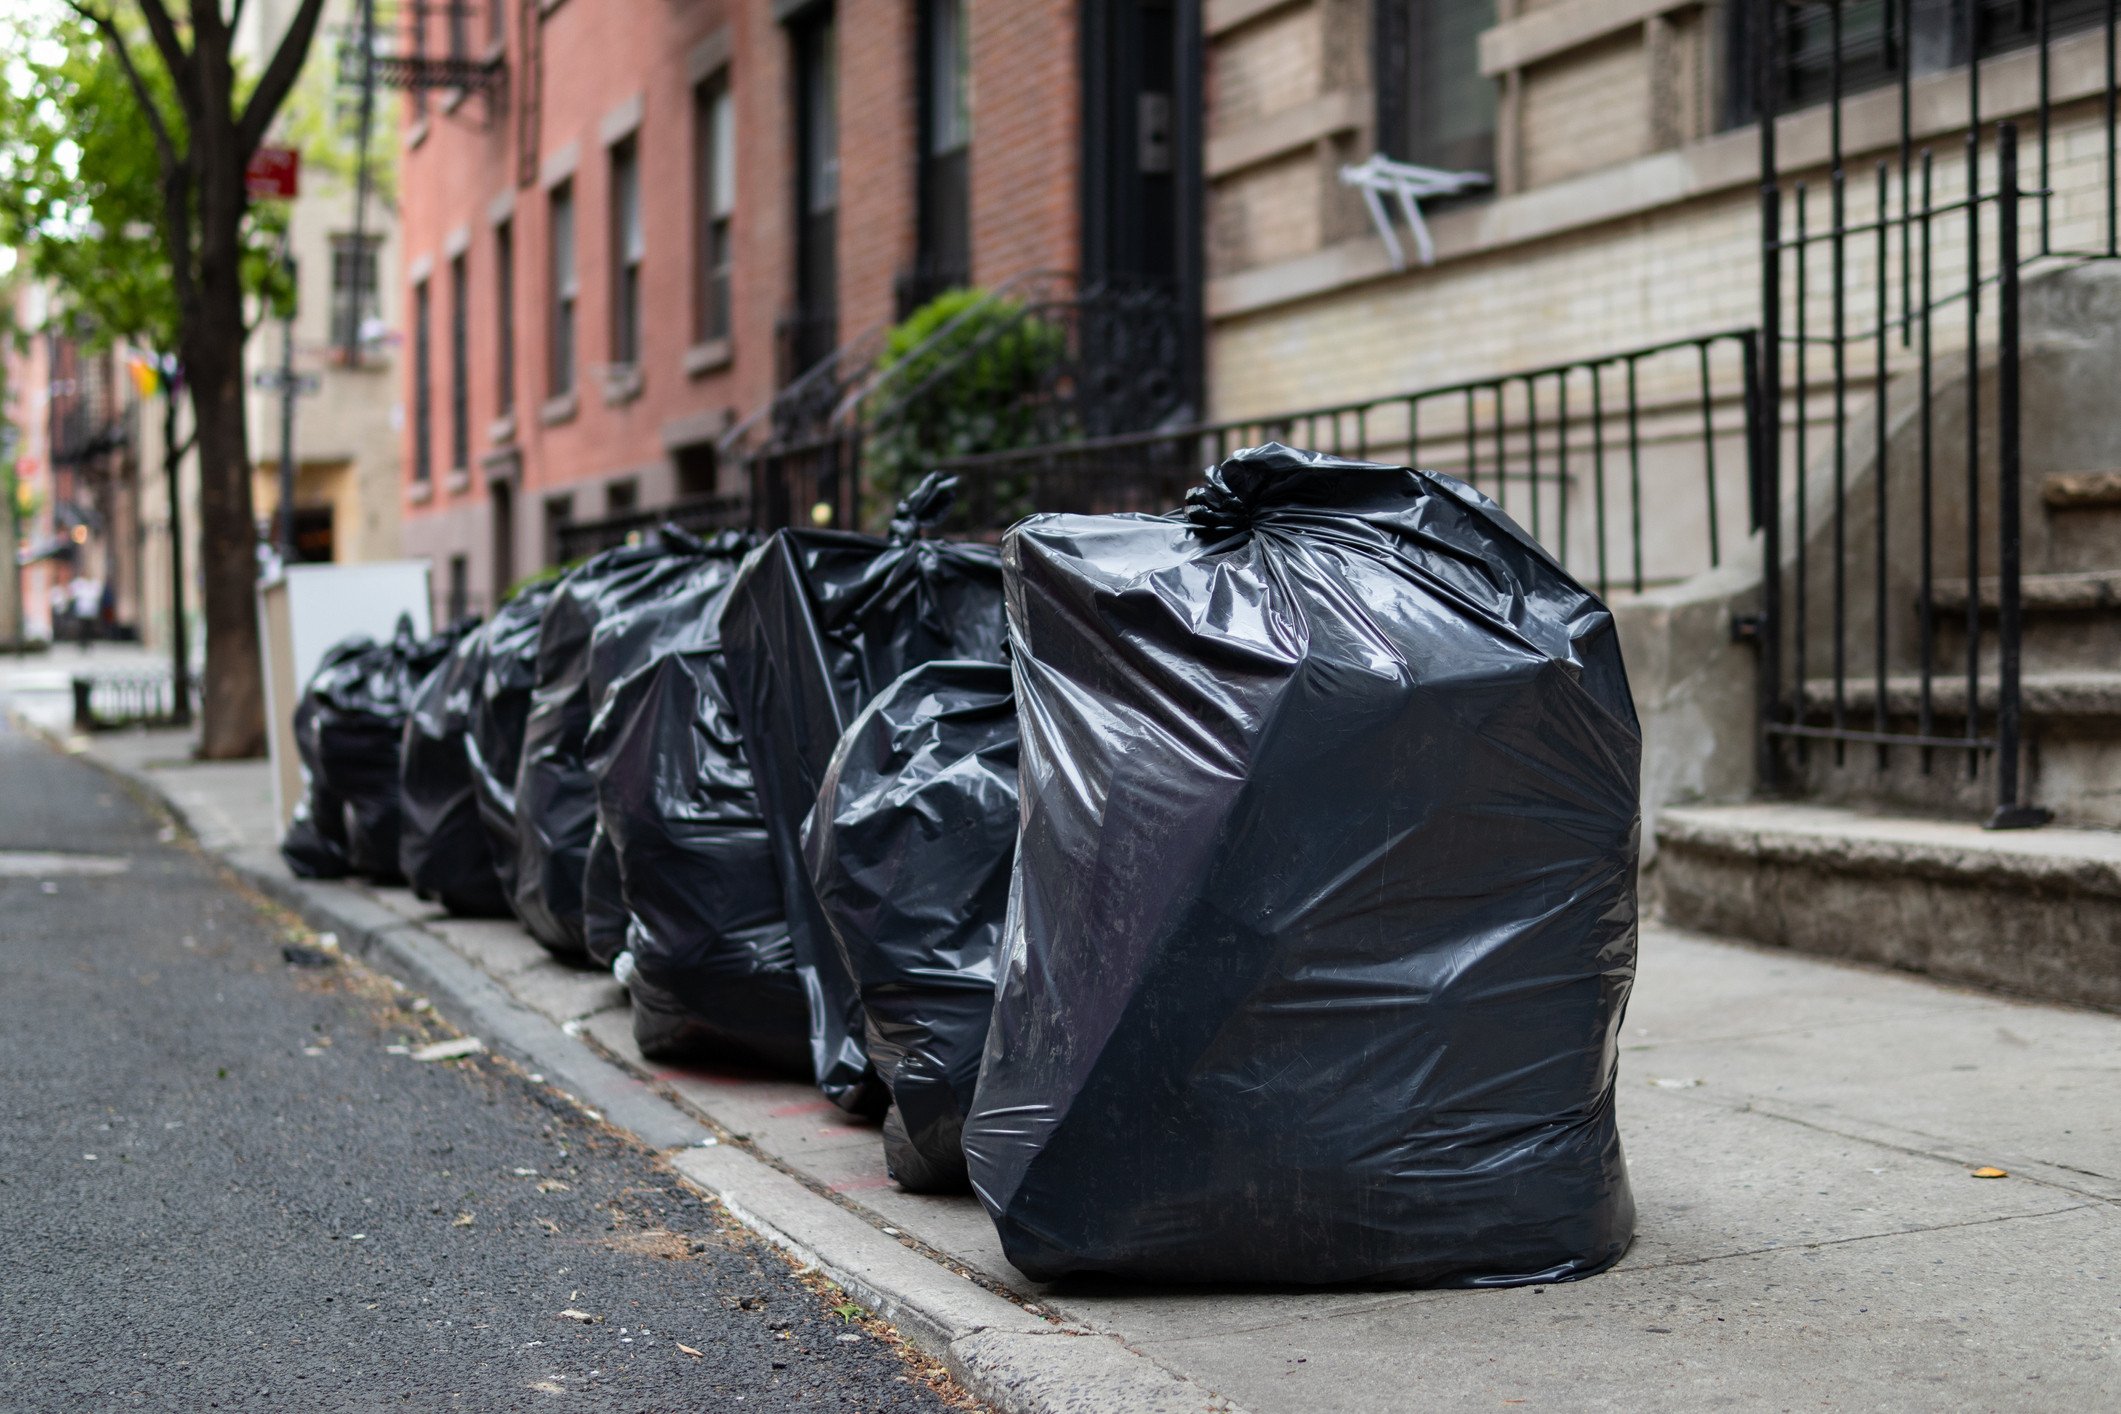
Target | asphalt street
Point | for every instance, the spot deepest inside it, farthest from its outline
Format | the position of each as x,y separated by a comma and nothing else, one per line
222,1188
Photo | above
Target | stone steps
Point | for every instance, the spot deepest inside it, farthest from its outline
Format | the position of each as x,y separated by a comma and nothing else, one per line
2087,695
2071,592
2069,759
2083,527
2037,912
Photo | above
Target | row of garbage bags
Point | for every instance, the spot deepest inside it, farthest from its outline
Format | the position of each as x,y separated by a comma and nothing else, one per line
1245,893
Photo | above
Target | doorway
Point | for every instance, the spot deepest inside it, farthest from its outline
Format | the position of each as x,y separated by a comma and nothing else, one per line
1141,184
502,494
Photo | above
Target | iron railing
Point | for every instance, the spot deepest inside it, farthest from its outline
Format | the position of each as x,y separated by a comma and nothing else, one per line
1592,456
1077,361
702,515
114,701
1835,317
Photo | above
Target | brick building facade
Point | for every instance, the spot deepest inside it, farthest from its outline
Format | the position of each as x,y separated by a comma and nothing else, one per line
635,219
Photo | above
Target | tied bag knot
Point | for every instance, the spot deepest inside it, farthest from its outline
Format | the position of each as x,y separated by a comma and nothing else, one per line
923,508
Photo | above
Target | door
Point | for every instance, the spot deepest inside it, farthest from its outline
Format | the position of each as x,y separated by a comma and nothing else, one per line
502,494
1141,260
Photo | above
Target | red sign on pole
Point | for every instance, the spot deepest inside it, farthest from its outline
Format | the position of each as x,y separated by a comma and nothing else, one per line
274,173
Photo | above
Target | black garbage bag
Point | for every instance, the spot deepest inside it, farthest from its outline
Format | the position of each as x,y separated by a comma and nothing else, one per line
1325,899
708,961
555,796
909,848
499,711
635,626
359,703
819,621
443,849
315,845
603,900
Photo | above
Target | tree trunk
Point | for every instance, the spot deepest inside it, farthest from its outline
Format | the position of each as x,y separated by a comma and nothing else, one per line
179,631
233,715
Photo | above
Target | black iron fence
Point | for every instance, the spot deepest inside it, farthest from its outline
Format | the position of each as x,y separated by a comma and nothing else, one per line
113,701
1035,360
1900,281
1634,468
702,515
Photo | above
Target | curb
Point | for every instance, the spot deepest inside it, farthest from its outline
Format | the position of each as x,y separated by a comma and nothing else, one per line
1018,1362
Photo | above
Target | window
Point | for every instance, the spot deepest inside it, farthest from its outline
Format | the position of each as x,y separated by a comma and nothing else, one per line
626,248
945,254
504,294
564,290
622,497
496,20
1440,111
949,77
815,327
459,365
422,391
356,299
714,150
1877,37
459,27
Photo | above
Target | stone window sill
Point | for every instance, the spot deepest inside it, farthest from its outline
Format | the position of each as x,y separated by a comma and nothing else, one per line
421,492
622,384
559,409
458,481
502,430
707,357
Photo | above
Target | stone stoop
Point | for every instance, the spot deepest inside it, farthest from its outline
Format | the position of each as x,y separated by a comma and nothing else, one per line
2070,673
2036,912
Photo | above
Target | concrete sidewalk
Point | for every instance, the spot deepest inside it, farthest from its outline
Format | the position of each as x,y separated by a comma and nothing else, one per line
1801,1136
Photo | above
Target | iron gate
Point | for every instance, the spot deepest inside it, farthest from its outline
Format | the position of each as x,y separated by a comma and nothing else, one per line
1919,270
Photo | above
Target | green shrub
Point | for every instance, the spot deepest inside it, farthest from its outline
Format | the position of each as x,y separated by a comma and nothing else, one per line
982,388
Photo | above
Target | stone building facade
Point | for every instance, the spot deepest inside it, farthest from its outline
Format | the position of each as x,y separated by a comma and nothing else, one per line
1623,201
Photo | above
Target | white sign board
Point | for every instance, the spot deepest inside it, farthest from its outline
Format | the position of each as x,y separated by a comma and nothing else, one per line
302,612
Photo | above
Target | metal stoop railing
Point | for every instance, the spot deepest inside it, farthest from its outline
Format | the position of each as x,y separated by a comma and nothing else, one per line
1930,265
1595,457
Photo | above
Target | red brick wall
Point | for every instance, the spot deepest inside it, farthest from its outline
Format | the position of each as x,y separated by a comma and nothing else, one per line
1026,138
598,57
879,172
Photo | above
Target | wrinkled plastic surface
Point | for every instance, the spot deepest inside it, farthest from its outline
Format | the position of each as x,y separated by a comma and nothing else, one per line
499,711
555,796
315,845
1324,913
818,622
353,719
909,848
635,622
708,961
443,849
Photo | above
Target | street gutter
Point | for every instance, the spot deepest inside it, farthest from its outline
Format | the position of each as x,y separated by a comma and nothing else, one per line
1018,1361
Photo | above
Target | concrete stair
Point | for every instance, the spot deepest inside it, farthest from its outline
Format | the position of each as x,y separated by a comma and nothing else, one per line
1886,861
2070,678
1883,855
2036,912
2083,516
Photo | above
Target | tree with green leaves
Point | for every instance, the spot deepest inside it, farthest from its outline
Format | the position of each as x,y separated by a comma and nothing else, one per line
197,120
81,199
